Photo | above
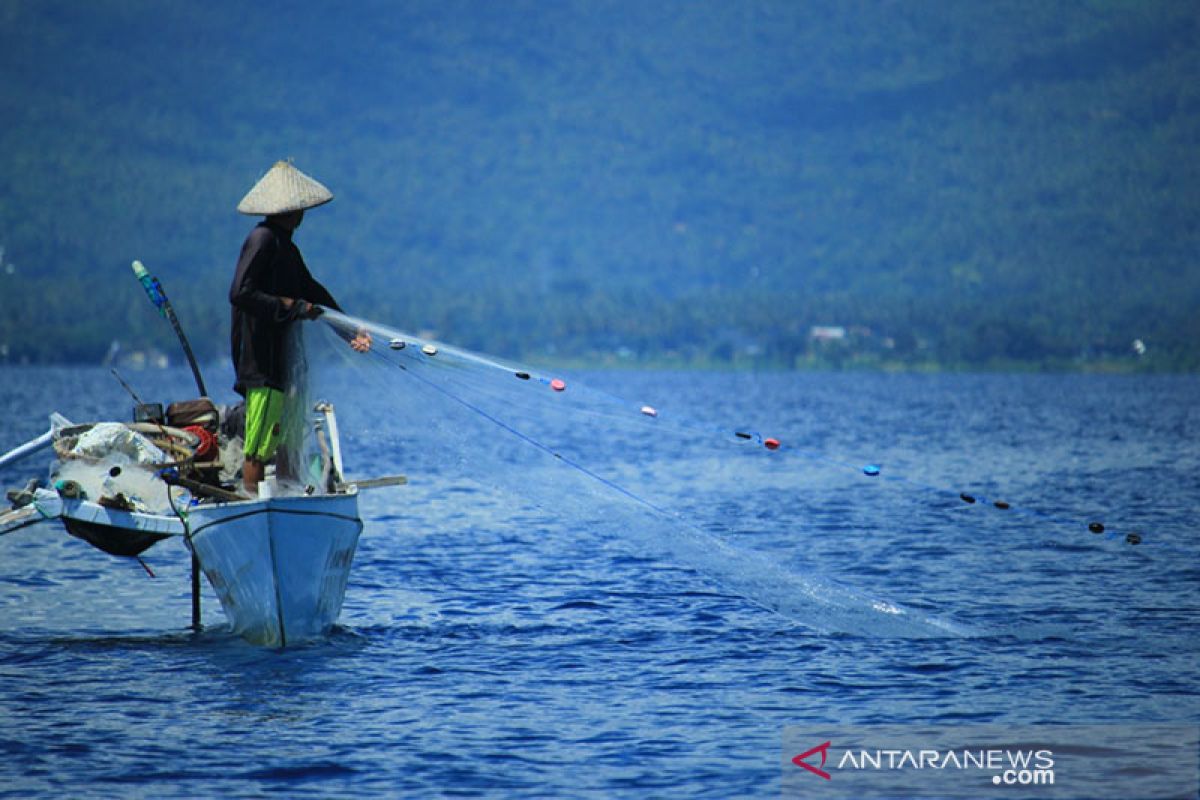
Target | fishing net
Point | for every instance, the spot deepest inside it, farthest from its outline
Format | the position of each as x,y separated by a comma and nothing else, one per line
587,458
300,461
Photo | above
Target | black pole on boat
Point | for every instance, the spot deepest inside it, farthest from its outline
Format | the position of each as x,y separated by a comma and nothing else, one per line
157,296
187,537
195,592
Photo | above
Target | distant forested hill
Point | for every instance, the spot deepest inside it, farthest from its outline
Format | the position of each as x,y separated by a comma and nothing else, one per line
958,183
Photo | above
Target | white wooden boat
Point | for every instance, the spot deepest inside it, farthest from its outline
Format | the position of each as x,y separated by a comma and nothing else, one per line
279,565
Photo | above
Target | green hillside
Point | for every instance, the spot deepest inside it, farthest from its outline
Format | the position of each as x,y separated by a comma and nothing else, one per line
970,183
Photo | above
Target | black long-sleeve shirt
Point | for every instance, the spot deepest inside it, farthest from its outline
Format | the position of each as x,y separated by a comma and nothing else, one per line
269,269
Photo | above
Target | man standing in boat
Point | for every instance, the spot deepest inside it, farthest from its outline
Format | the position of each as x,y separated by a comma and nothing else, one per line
272,288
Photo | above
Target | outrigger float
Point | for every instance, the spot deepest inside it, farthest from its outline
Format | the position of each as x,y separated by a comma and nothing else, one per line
278,563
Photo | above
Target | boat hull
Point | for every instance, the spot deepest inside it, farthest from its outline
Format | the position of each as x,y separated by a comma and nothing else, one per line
279,566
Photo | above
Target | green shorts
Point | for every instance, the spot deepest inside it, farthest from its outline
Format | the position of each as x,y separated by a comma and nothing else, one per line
264,409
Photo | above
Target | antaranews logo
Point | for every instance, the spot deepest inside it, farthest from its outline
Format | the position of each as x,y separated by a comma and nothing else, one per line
823,749
991,762
1011,767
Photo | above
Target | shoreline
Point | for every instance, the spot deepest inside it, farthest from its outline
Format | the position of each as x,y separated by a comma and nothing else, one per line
611,362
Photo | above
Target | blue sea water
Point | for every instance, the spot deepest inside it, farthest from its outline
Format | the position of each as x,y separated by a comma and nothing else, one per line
490,649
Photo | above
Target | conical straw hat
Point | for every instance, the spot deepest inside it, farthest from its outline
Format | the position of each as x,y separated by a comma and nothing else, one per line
284,188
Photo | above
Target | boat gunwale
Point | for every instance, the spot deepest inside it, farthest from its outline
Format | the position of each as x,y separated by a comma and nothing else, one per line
273,505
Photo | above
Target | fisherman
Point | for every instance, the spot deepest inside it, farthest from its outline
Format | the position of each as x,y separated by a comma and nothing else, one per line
271,289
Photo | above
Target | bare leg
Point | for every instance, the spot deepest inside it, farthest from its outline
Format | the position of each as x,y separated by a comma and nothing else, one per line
252,473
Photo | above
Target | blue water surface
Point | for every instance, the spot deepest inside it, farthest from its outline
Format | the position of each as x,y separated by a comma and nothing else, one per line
491,648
